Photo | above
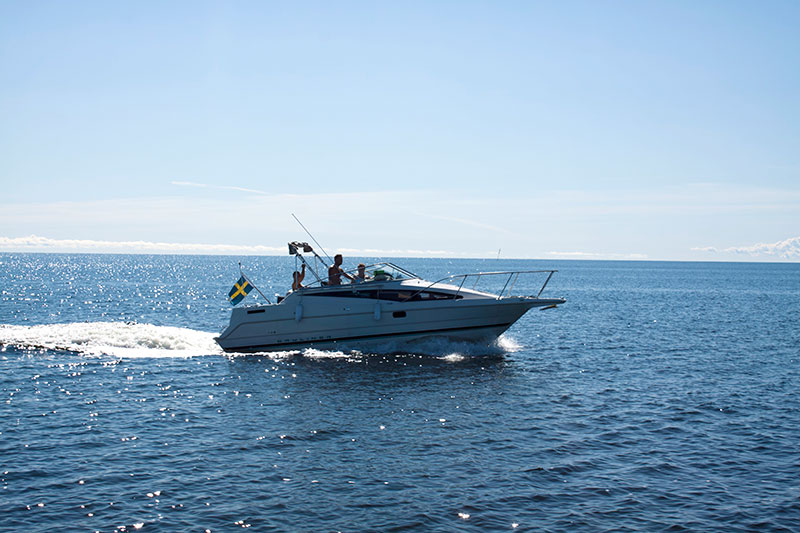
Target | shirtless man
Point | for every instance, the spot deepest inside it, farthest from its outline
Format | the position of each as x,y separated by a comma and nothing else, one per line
335,271
297,278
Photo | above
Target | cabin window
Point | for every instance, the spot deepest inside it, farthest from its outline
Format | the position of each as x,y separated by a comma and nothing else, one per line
392,295
433,295
349,294
399,314
424,296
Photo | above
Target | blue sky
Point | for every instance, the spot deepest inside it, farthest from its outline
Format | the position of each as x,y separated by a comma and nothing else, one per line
655,130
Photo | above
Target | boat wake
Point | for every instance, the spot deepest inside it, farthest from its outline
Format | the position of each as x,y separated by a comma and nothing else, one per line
118,339
133,340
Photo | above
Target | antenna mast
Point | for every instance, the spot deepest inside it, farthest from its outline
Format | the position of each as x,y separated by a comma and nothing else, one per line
313,239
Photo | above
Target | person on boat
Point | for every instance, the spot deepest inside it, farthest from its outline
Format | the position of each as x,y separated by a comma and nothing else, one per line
361,274
335,271
297,278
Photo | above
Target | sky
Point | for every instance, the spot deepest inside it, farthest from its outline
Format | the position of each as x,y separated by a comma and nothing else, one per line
585,130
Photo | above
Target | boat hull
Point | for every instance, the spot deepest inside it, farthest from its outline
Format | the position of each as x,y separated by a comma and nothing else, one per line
334,323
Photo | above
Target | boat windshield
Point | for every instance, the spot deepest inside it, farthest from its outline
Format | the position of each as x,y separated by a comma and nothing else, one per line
384,271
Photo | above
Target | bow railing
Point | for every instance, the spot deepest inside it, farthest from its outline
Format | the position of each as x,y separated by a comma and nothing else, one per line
510,281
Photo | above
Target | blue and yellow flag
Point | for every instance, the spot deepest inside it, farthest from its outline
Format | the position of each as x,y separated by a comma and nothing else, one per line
239,291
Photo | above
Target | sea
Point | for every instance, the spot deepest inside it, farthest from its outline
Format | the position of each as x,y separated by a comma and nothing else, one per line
662,396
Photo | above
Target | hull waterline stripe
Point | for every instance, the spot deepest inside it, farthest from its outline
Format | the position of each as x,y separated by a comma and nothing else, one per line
358,337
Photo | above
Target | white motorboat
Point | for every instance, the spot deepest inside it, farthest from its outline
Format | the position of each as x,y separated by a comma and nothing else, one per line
391,304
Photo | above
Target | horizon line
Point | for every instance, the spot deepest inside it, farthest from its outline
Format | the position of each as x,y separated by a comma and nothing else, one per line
471,258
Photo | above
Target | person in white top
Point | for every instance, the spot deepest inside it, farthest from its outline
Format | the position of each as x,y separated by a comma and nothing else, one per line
361,274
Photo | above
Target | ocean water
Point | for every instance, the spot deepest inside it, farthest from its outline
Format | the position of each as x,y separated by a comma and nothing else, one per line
661,396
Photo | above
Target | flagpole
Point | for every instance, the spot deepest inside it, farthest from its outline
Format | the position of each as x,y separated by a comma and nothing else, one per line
253,284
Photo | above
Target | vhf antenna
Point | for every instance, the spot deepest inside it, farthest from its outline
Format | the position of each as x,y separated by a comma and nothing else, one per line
313,239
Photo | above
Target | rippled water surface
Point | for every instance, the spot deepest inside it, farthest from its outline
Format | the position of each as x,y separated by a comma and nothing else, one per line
661,396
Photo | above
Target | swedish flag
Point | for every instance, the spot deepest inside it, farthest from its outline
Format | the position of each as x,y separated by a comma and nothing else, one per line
239,291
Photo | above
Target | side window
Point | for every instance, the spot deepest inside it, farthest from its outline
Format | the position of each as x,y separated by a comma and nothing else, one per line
434,295
393,296
409,296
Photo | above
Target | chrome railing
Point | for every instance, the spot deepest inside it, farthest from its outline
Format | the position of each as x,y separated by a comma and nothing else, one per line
513,276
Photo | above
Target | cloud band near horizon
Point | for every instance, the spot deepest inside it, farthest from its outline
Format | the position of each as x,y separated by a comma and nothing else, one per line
787,249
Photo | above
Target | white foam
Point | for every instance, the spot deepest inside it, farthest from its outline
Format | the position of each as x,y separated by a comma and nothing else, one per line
453,358
507,344
119,339
130,340
444,348
328,354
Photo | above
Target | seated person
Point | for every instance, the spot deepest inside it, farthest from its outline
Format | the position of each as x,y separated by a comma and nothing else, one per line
361,275
297,278
335,271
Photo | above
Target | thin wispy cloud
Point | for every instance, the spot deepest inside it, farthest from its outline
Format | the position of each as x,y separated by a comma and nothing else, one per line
43,244
467,222
219,187
423,223
36,243
786,249
373,252
695,198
